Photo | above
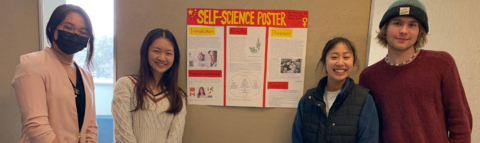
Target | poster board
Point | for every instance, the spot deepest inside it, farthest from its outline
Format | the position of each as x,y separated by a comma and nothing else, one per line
245,57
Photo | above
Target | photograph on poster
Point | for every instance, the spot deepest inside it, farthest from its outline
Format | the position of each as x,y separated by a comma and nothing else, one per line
207,58
289,65
201,92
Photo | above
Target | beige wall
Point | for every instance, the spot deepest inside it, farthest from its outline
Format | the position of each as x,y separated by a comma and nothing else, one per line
454,27
327,18
18,35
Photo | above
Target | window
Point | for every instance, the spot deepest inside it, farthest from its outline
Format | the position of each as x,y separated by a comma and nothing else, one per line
101,16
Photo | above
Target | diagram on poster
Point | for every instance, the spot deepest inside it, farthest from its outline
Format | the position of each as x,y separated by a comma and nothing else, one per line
244,86
248,58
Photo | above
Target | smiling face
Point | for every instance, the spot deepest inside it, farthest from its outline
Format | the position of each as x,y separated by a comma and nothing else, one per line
402,33
161,55
213,56
201,91
339,62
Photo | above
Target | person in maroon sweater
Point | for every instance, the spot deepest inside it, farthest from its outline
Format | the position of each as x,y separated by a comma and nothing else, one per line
418,93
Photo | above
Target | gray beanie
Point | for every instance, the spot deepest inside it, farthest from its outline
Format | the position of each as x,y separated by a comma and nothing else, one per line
412,8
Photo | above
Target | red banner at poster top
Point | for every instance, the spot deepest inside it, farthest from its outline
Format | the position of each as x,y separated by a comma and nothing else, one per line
245,17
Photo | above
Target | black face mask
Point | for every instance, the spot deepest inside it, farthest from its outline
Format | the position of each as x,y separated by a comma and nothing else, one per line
70,43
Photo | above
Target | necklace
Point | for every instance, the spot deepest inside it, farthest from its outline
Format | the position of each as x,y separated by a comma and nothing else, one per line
65,61
401,64
74,88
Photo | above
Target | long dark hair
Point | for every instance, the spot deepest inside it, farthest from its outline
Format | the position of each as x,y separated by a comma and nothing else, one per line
169,80
59,15
331,44
203,91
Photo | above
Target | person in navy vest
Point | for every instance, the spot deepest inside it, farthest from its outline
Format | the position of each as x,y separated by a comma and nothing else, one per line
337,110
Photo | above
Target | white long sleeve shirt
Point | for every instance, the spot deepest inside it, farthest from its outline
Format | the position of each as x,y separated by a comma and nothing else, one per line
152,125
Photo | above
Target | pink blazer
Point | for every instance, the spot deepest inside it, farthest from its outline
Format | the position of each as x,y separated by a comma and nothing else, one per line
47,101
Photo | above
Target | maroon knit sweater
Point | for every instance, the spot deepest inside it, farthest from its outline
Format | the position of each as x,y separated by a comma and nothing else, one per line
421,101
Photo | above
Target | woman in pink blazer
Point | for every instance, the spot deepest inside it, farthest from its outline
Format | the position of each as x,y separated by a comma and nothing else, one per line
55,95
